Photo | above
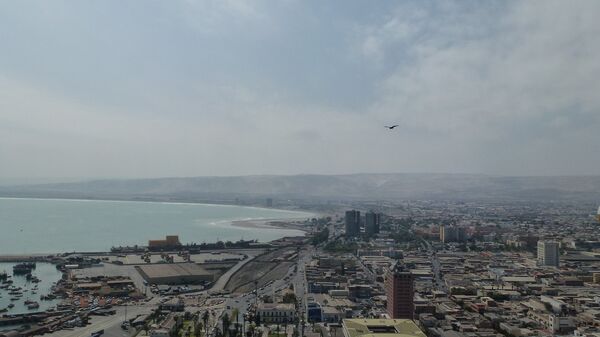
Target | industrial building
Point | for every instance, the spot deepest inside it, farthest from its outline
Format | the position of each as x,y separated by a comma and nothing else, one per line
170,241
178,273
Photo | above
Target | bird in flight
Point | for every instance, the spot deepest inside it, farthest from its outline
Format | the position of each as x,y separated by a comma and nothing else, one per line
391,127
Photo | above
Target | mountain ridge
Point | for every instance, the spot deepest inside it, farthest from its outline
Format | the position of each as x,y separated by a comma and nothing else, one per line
359,186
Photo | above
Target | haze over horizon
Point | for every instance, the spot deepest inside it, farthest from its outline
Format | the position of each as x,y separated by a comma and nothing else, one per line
117,89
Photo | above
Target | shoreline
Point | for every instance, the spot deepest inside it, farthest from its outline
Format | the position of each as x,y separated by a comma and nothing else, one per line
307,213
270,224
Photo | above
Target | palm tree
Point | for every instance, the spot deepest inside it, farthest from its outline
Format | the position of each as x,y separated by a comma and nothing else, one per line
226,322
198,329
205,317
236,313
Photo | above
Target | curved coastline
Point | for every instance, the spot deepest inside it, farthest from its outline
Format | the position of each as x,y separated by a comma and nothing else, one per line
133,224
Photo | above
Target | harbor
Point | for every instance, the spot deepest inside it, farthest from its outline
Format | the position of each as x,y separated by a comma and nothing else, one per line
27,287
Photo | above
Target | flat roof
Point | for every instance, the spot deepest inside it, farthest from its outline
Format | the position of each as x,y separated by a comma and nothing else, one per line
361,327
173,269
523,279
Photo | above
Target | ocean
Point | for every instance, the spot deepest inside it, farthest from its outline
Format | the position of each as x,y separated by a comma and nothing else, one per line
29,226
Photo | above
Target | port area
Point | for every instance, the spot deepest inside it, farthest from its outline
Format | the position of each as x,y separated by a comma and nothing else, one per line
98,291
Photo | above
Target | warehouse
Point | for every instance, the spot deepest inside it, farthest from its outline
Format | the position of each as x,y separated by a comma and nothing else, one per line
180,273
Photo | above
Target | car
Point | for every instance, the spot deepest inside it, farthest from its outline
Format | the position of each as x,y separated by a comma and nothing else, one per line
97,333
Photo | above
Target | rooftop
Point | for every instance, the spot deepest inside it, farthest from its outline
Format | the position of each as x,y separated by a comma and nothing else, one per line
381,328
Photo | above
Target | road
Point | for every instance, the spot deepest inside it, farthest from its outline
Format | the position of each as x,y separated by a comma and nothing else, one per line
222,281
110,324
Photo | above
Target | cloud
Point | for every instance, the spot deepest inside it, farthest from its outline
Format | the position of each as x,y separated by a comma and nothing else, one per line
236,87
532,75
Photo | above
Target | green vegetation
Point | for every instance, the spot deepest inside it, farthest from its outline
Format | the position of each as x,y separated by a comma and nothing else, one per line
320,236
191,328
289,298
341,247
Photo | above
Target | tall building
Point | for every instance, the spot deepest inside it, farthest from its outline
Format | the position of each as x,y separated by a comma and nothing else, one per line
352,223
452,234
548,253
399,288
371,223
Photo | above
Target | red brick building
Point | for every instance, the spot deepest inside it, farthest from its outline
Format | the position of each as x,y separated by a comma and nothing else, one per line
399,286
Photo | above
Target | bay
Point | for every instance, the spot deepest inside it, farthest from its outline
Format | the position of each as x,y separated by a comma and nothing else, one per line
29,226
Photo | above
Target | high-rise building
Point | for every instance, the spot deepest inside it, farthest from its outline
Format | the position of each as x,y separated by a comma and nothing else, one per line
352,223
399,288
371,223
548,253
452,234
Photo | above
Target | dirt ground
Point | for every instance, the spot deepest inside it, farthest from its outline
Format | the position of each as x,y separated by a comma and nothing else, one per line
264,268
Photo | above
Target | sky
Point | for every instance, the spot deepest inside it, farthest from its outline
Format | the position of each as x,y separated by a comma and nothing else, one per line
123,89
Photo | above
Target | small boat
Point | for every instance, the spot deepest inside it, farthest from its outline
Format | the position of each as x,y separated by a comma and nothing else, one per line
10,306
33,305
14,298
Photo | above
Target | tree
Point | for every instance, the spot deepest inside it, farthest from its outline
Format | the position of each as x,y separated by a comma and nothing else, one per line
289,298
236,313
205,317
198,329
226,322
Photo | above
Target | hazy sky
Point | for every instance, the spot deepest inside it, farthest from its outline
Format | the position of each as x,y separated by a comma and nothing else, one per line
224,87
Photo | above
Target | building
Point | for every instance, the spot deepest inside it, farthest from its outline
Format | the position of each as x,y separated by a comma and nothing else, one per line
170,241
314,312
276,312
168,327
548,253
452,234
352,223
371,223
178,273
175,305
361,327
399,288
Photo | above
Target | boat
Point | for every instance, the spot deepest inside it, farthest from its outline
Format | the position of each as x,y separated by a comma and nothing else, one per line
33,305
23,268
4,310
10,306
14,298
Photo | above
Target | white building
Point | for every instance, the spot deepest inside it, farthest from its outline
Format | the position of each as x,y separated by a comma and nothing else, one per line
548,253
276,312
